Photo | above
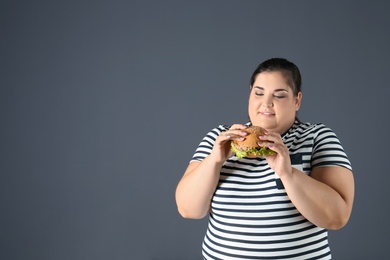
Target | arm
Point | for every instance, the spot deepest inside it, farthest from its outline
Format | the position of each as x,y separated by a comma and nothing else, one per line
196,188
325,197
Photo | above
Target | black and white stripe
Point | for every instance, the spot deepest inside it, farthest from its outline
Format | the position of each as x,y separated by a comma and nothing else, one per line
251,215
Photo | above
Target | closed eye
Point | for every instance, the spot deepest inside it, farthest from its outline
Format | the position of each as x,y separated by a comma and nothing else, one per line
280,96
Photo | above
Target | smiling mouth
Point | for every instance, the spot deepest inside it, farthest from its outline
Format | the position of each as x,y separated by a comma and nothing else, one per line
267,113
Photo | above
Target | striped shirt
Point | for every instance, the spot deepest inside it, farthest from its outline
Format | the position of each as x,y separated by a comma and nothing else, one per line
251,216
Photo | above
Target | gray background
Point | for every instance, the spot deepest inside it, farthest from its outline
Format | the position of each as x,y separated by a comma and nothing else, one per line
103,103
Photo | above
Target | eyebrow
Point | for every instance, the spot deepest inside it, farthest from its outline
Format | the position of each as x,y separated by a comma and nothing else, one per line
276,90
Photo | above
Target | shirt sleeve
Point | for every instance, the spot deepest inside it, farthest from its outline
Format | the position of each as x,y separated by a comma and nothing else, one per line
327,150
207,143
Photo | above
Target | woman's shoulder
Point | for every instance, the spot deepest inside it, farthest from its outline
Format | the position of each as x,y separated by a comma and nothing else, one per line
308,126
307,130
213,133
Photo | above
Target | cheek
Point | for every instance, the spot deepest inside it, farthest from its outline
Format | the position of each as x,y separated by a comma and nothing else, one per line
288,109
251,105
252,102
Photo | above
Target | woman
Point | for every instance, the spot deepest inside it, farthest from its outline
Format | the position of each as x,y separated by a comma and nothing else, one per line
280,206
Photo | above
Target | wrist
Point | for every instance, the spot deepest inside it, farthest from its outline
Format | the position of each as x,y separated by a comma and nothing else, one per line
288,174
218,161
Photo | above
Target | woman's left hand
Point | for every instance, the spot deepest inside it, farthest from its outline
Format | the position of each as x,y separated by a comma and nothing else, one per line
280,162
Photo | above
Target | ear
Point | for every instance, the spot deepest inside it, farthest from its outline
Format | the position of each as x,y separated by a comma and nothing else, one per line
298,100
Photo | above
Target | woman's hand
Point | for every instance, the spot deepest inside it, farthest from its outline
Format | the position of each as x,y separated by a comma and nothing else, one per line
280,162
222,146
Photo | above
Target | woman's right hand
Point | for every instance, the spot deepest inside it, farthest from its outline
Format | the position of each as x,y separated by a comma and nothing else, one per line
222,146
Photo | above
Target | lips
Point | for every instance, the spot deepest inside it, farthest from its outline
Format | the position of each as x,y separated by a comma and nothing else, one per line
266,113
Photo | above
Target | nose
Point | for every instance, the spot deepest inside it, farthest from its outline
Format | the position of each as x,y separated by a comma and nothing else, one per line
268,103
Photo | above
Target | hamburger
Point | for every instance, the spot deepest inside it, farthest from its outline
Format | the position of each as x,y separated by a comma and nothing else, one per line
249,147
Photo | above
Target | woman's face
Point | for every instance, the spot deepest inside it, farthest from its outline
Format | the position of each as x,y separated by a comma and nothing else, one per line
272,104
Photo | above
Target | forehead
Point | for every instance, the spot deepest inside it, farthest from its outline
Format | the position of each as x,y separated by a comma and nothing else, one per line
271,79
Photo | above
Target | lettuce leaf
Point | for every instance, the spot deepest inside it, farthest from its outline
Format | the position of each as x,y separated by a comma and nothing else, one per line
262,151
